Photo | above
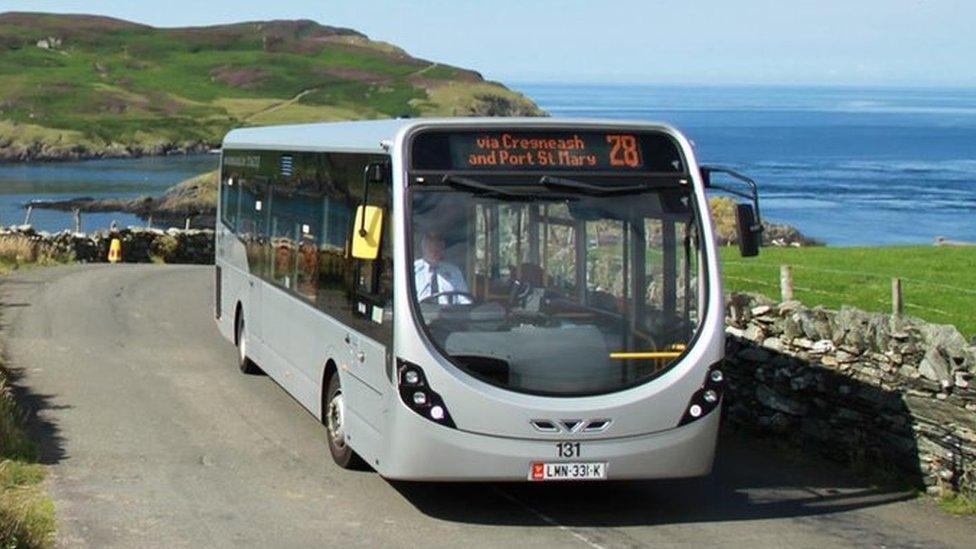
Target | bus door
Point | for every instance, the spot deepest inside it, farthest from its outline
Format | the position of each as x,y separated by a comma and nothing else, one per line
369,333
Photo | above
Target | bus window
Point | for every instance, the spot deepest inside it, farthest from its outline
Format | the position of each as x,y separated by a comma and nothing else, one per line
308,265
252,224
284,251
230,197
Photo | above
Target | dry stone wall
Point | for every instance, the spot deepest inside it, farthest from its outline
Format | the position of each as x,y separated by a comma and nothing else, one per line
893,394
139,245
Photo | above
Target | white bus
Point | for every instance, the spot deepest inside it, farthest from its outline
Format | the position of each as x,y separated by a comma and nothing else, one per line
481,299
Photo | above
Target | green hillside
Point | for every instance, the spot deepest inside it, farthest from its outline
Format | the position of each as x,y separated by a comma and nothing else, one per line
77,86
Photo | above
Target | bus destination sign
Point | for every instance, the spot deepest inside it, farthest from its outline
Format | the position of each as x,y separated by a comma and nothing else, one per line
611,151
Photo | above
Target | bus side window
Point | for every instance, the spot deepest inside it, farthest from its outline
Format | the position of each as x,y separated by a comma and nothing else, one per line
252,225
230,198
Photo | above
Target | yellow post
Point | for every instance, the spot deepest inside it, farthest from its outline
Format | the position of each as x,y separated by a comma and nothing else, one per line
115,251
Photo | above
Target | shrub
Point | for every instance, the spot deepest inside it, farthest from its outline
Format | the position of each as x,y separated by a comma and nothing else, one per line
164,248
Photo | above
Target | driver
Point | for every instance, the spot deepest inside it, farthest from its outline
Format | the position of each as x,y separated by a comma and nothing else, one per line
432,275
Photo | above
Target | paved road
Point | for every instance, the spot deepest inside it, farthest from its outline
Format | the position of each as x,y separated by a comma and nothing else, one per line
154,439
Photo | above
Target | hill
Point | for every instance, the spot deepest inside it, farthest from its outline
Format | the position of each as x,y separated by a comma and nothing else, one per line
76,86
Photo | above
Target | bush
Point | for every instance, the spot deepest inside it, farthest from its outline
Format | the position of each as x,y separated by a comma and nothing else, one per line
164,248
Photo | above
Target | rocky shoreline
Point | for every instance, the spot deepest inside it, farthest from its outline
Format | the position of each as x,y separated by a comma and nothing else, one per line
193,201
39,151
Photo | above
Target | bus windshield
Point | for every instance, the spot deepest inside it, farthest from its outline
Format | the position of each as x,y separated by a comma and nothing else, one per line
554,289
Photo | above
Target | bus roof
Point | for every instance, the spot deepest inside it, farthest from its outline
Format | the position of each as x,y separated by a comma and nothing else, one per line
366,136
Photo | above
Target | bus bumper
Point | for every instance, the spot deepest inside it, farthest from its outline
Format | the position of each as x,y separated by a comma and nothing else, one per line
421,450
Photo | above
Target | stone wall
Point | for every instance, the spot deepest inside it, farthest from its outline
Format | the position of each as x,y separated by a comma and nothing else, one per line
890,394
138,245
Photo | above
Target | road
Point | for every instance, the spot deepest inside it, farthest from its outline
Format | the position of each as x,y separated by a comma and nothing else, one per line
155,439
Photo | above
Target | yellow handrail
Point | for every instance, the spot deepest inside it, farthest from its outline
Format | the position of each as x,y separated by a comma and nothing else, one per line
645,354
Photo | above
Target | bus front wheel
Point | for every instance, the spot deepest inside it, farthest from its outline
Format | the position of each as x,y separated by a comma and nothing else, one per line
243,362
334,417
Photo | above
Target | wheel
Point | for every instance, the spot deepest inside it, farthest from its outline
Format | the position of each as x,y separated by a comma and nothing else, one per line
334,413
245,364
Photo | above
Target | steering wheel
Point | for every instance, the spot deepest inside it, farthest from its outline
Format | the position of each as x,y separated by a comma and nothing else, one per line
432,298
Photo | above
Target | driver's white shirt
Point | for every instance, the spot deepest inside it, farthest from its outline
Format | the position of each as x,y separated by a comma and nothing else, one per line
449,278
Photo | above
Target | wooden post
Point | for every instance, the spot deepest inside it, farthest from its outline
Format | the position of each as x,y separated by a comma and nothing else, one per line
786,282
77,213
187,224
897,299
30,211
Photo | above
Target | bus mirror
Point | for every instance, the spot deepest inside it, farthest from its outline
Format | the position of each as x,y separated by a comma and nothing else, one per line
750,233
366,236
375,173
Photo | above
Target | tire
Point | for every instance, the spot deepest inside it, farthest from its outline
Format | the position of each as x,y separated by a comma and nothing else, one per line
333,415
246,365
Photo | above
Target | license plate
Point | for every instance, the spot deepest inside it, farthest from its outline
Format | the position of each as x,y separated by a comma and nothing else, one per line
568,471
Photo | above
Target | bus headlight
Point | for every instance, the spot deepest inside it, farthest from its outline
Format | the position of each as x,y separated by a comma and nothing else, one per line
417,394
411,377
707,398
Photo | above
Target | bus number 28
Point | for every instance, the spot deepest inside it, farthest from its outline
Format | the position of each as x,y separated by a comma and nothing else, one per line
568,449
623,150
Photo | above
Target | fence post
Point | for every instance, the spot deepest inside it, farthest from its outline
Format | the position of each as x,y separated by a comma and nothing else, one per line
897,299
77,213
30,211
785,282
187,224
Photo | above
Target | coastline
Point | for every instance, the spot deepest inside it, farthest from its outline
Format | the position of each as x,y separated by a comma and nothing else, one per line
38,152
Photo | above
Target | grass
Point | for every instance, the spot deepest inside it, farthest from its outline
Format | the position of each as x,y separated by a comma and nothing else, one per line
937,282
17,251
957,504
466,98
26,511
123,85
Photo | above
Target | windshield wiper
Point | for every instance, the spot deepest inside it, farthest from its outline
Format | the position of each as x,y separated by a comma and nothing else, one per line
589,188
479,187
483,189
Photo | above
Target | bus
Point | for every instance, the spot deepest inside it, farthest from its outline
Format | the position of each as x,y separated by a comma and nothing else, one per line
496,299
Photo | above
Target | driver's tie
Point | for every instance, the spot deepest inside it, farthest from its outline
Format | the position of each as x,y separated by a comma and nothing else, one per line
434,286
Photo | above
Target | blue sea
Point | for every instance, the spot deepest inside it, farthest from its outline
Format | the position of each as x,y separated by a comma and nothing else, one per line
108,178
849,166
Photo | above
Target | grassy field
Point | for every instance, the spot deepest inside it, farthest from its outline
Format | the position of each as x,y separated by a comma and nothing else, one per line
939,283
87,83
26,512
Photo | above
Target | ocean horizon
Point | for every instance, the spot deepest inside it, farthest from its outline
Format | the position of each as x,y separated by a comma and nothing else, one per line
846,165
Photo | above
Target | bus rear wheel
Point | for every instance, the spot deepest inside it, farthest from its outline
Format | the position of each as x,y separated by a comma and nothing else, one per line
334,416
243,362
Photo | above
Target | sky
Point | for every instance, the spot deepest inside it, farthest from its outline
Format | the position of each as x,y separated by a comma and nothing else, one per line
804,42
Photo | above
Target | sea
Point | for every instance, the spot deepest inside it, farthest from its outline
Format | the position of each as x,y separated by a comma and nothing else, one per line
847,166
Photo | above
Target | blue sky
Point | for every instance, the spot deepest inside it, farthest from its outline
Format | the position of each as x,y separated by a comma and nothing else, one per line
830,42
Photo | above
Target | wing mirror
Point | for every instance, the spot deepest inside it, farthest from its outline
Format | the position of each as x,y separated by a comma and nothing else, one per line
369,219
366,240
750,231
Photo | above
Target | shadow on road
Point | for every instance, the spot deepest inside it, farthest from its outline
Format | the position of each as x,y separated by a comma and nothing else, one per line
47,435
752,480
